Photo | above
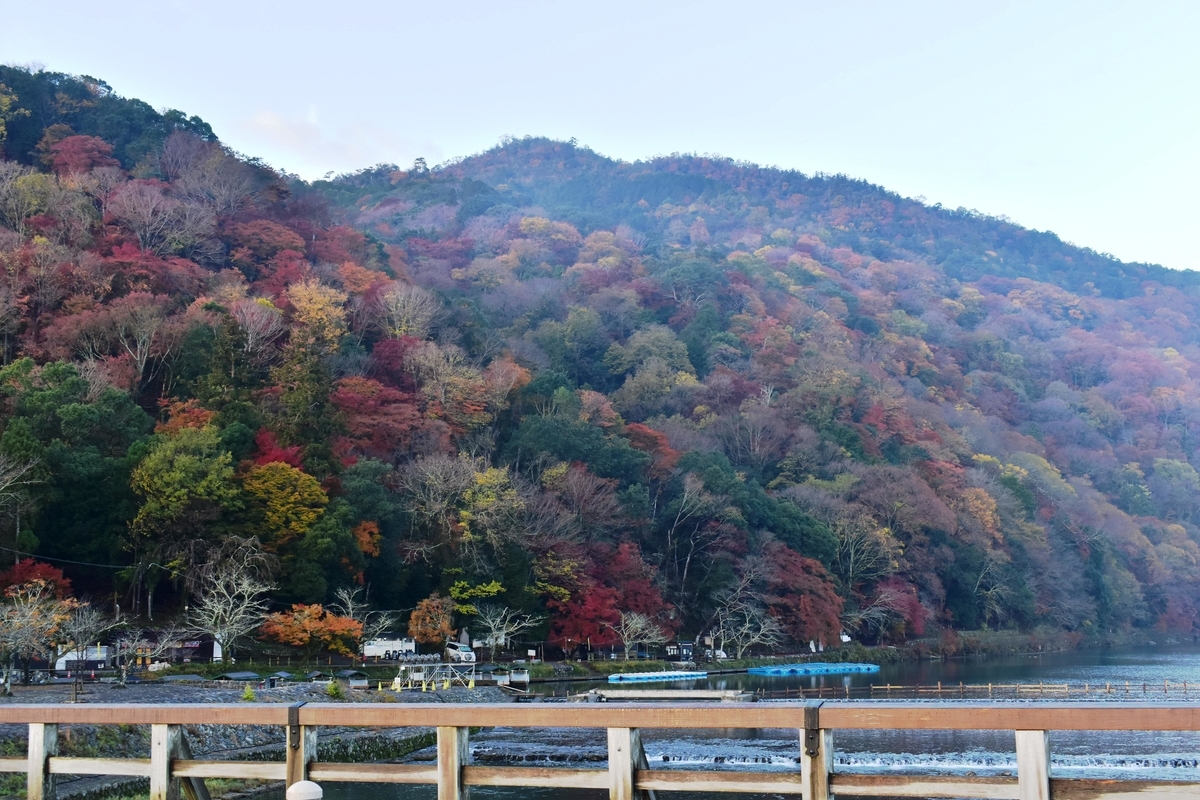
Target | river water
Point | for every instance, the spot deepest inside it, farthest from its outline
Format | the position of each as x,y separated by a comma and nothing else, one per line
1074,754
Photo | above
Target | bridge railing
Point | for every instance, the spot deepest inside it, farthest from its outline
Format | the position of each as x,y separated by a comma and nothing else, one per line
172,769
1111,690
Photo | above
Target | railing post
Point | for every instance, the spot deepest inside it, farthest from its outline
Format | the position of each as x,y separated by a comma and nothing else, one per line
1033,765
301,746
454,752
816,754
43,743
625,757
164,744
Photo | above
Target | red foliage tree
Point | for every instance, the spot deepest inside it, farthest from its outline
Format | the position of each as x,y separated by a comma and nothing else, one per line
269,450
633,579
380,419
27,570
285,268
801,595
260,240
387,362
587,617
656,444
76,154
339,245
904,601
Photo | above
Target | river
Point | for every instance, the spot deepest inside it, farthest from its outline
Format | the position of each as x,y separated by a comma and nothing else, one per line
1075,754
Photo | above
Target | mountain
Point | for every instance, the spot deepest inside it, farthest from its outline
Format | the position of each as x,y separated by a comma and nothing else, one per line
723,397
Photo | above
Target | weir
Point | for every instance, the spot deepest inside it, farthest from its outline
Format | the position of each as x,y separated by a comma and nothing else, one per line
173,771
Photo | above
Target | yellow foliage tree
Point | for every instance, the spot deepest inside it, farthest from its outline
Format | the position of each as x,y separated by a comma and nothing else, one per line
291,500
319,313
7,99
492,508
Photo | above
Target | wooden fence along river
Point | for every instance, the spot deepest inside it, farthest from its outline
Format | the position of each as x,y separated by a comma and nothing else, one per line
171,768
1111,690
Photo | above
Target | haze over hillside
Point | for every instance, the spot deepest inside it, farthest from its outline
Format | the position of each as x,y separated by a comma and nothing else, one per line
685,387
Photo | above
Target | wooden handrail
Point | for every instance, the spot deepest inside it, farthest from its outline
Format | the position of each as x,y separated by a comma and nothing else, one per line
171,767
834,714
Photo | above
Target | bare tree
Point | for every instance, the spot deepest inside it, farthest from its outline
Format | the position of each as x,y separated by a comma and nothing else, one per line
431,486
991,588
876,614
636,628
100,183
136,321
744,626
43,274
206,173
10,318
353,603
231,594
15,479
408,310
741,620
261,324
84,627
690,533
18,198
500,624
191,233
865,551
146,210
135,644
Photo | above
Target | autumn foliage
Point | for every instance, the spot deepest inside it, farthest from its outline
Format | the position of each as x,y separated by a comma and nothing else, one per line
313,628
430,622
687,388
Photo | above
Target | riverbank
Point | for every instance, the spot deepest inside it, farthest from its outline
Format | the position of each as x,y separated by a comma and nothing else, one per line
948,645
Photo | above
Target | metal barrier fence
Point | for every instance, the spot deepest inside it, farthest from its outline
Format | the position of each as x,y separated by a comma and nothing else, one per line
172,769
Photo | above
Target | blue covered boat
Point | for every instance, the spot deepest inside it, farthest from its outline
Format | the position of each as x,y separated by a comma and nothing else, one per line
650,677
815,669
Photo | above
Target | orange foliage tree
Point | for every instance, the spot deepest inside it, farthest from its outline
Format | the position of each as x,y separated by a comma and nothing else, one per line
430,620
313,628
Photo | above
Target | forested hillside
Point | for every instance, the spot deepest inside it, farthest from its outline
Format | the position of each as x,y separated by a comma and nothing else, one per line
718,395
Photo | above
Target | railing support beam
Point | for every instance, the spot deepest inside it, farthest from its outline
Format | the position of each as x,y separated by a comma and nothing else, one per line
1033,765
454,753
193,788
43,744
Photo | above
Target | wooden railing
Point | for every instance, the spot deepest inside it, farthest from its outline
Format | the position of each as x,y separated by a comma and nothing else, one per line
1111,690
172,769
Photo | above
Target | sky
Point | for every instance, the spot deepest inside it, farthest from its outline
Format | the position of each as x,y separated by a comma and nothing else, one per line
1080,118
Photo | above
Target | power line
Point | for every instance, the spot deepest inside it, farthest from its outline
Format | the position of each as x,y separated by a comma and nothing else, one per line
67,560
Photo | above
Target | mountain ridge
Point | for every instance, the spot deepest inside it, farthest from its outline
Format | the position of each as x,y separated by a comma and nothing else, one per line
718,396
1035,254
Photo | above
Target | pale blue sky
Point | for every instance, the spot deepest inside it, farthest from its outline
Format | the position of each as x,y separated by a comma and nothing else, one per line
1081,118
